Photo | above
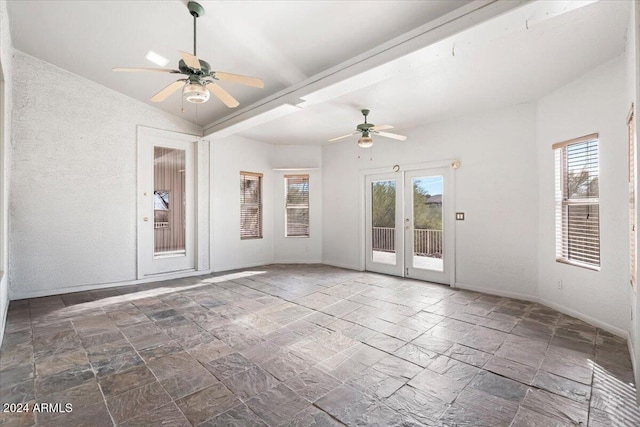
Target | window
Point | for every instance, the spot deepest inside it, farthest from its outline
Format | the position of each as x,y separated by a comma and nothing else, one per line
577,202
250,205
632,199
296,205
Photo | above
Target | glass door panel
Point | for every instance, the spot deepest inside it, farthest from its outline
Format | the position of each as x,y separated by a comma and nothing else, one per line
428,245
169,202
383,227
383,240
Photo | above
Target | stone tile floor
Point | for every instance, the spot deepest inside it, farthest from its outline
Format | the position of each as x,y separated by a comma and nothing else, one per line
309,345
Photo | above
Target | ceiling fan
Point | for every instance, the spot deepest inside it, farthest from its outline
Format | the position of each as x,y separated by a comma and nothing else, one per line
366,129
200,81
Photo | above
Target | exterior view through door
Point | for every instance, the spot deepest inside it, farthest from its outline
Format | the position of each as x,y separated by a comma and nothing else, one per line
407,226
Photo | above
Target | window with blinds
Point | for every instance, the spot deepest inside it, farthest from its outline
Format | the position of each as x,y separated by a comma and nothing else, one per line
577,202
296,205
632,200
250,205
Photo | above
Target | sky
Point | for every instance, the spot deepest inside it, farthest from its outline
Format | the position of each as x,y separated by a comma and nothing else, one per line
431,184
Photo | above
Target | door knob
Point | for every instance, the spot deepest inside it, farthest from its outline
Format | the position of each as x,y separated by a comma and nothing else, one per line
146,218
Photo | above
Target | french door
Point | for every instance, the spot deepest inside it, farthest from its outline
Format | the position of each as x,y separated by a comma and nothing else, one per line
166,202
409,224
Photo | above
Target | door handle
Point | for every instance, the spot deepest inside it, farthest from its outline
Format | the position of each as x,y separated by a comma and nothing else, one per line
146,218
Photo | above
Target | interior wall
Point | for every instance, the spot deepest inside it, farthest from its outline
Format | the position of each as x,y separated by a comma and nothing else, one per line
6,73
298,249
73,180
230,156
596,102
496,244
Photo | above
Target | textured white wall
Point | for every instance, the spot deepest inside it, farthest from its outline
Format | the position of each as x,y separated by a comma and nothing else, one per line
297,249
496,245
73,179
5,155
230,156
596,102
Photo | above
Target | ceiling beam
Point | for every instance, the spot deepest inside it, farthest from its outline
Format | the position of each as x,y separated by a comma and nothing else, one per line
412,49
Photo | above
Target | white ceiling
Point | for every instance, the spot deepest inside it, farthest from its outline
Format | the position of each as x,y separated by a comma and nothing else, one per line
516,57
520,65
282,42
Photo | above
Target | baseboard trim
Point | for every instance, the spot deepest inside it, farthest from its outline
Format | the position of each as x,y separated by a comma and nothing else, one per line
592,320
561,308
341,265
496,292
297,261
241,266
96,286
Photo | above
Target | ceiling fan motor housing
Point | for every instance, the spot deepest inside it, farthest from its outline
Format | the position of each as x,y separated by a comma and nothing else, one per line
205,68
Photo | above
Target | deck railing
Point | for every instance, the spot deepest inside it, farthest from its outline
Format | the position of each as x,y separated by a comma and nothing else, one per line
425,242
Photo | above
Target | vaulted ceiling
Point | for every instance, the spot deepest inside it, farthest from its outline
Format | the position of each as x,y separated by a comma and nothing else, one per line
282,42
322,61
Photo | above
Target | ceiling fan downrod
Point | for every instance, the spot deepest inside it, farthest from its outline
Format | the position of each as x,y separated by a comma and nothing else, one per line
365,113
196,10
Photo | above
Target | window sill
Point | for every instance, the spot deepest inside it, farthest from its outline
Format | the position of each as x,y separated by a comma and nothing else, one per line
297,237
577,264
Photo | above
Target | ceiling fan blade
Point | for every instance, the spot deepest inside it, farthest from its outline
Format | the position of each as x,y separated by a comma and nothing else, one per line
134,69
343,136
191,60
236,78
223,95
391,135
382,127
164,93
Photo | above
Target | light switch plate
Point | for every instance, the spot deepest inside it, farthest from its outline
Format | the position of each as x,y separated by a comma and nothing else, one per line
460,216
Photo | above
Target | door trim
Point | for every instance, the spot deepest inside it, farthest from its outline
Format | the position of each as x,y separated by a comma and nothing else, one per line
142,132
451,164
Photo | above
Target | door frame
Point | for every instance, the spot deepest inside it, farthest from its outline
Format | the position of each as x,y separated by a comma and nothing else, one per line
143,133
399,169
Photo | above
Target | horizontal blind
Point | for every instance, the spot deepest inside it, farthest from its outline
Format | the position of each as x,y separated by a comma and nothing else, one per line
297,205
577,203
250,205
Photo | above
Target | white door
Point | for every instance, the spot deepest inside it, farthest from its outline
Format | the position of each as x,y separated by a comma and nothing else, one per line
409,221
384,243
428,221
166,202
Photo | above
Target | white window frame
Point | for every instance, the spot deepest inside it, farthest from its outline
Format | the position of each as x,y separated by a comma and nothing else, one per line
255,234
288,206
565,245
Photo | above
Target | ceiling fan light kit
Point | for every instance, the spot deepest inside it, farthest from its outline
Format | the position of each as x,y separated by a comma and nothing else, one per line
195,93
366,129
365,140
201,81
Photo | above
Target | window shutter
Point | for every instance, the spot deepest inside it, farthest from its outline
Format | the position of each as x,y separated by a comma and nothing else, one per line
577,202
250,205
296,205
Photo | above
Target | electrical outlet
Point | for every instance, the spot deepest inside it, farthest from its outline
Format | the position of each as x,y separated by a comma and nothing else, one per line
560,284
